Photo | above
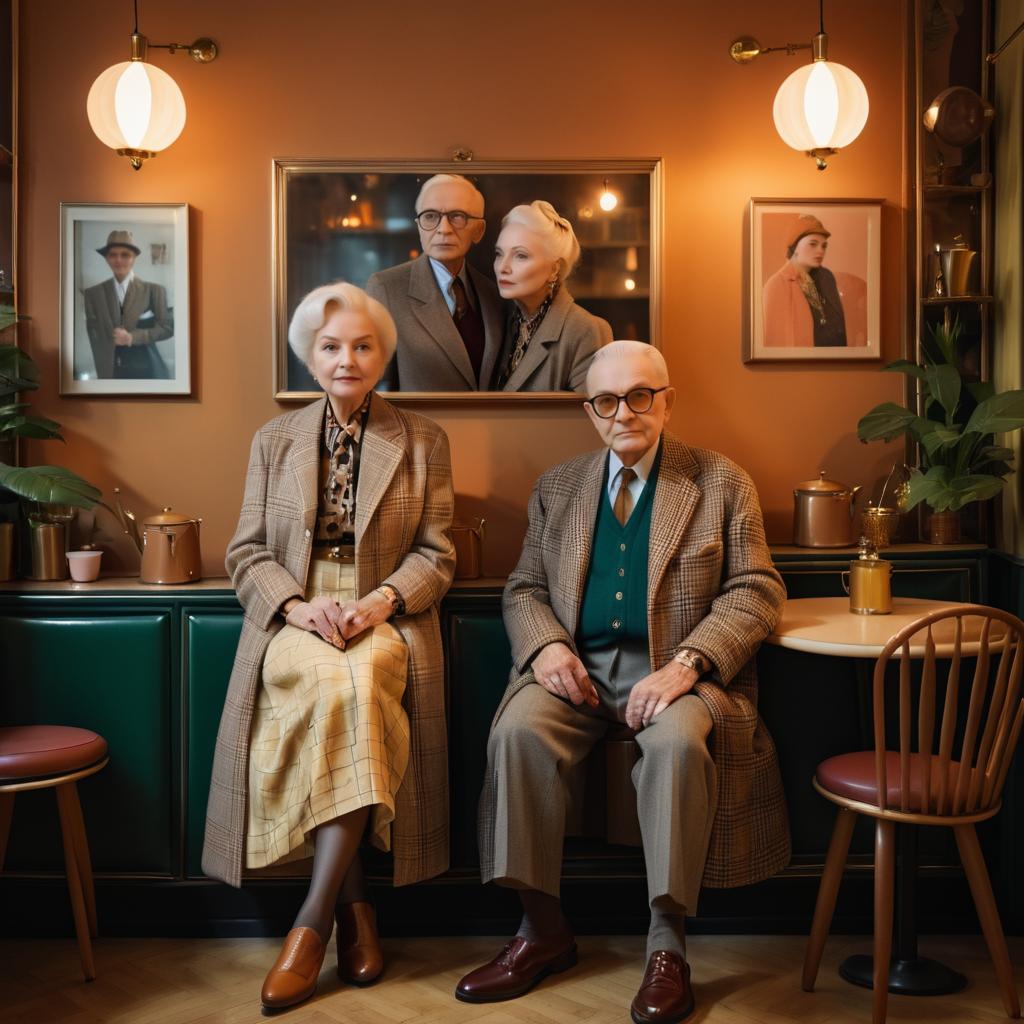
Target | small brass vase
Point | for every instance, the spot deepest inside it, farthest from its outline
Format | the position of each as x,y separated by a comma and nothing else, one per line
879,525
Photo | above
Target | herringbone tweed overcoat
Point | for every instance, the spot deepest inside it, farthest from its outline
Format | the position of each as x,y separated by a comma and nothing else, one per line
711,587
404,503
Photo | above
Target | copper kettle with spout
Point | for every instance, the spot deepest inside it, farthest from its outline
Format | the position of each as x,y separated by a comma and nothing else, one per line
169,544
823,513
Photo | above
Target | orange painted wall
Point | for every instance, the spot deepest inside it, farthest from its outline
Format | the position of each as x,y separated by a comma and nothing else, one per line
322,78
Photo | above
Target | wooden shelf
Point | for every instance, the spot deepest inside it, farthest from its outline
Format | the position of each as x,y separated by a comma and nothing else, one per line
952,191
952,300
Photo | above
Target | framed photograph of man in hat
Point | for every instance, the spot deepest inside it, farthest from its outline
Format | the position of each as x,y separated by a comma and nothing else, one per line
815,280
124,319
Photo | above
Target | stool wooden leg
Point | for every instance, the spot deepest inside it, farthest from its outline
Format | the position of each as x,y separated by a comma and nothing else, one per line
84,863
6,810
885,860
988,914
67,828
828,889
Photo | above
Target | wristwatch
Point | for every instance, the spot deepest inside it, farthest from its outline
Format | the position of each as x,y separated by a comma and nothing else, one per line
690,658
393,597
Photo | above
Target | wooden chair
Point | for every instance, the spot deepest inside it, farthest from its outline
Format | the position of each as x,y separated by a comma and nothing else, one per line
56,757
954,777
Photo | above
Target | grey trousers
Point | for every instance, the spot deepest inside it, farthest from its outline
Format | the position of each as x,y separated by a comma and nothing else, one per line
537,741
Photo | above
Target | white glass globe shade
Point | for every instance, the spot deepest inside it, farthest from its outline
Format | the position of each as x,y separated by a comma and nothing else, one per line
135,105
822,105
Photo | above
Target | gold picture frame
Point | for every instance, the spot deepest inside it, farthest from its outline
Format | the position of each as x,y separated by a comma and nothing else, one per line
334,219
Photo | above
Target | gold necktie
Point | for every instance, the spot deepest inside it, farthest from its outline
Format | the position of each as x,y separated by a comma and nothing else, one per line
624,500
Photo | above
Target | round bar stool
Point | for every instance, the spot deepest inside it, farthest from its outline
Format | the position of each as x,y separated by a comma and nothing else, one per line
56,756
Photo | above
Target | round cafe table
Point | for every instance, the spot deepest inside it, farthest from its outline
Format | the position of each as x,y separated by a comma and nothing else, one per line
825,625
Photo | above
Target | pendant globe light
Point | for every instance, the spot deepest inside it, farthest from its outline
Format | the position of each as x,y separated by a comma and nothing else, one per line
136,108
821,107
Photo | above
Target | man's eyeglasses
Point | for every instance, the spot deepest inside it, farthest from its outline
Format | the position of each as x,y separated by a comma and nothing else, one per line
430,219
639,400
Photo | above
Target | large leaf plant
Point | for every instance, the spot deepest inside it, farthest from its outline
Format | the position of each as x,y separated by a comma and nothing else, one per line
960,460
46,484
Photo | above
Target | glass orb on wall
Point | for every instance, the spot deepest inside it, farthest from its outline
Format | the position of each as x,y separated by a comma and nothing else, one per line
136,109
820,108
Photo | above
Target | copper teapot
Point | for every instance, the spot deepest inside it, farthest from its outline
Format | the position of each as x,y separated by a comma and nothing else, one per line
823,513
169,544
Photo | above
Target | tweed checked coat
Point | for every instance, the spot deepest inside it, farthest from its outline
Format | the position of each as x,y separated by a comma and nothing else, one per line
711,587
404,503
559,354
431,355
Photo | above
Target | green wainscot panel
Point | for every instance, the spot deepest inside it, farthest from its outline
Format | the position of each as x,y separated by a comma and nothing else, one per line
109,672
479,661
210,642
918,579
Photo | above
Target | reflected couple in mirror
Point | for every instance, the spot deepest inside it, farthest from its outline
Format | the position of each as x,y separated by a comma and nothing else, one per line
461,330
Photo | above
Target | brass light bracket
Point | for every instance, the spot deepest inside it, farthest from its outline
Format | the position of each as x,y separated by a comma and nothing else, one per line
202,51
462,156
746,48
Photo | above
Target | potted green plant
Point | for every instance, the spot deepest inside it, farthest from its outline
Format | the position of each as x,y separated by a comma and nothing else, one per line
960,460
45,484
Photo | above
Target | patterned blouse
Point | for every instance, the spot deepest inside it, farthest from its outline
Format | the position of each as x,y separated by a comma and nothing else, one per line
339,476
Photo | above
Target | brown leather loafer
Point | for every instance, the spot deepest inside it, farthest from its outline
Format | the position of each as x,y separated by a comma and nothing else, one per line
514,971
294,975
360,958
665,996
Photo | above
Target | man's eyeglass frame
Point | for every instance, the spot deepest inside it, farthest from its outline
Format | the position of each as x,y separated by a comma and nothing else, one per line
619,399
457,219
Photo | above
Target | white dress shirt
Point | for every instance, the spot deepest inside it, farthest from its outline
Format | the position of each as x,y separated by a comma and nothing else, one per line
121,287
637,484
444,278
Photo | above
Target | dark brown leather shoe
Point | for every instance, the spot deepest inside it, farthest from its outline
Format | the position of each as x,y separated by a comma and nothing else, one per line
294,975
665,996
360,958
515,970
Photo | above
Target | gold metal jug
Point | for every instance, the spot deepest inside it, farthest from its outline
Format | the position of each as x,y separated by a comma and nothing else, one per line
868,582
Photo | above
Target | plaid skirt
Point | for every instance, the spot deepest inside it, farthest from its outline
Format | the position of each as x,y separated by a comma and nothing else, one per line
329,732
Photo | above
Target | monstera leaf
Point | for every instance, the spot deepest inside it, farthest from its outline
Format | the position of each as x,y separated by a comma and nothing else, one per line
52,485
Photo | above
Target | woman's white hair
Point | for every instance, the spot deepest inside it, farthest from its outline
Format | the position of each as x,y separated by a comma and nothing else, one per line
312,313
555,231
448,179
620,349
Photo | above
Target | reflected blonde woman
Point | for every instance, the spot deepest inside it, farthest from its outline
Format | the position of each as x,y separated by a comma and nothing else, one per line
550,340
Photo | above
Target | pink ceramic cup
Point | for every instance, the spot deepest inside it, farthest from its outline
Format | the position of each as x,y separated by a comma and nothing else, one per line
84,565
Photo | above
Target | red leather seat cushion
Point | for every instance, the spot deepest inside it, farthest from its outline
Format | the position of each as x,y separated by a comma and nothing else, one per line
31,751
853,776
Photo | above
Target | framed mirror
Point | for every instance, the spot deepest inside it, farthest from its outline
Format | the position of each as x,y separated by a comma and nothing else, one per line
8,167
357,222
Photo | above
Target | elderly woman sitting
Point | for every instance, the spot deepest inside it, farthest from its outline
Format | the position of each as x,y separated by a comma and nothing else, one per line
333,726
550,340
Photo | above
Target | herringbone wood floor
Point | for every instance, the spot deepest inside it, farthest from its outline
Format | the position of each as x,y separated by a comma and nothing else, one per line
738,980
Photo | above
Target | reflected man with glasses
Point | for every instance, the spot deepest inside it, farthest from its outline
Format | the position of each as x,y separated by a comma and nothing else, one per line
642,593
450,318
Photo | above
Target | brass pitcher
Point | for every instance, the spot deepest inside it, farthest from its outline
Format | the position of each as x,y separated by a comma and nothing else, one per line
868,582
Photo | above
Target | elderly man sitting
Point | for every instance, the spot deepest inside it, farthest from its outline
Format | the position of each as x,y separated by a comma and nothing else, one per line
643,591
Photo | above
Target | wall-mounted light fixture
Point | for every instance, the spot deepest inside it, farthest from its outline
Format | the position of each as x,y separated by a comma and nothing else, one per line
822,106
136,108
608,200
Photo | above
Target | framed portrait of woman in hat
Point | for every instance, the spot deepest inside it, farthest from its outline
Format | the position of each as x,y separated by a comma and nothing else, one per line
815,280
124,319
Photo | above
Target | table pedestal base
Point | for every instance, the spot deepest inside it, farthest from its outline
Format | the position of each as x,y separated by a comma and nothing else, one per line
920,977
